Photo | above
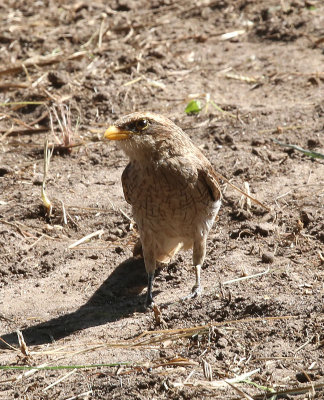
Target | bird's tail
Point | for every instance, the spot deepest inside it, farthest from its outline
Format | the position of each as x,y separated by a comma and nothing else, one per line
163,256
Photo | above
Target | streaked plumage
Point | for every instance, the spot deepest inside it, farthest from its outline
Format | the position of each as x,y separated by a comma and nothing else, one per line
171,186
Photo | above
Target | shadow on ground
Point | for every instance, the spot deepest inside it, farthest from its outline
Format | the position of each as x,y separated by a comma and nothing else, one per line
117,297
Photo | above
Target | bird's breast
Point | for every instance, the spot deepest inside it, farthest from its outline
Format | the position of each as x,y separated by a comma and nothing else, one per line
166,201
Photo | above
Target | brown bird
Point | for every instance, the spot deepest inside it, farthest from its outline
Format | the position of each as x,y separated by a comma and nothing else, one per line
172,188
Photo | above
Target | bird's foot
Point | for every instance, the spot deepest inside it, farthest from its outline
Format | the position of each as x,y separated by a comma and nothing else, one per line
149,303
195,292
149,297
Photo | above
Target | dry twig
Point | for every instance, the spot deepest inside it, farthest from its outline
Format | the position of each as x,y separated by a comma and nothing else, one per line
86,238
47,158
41,61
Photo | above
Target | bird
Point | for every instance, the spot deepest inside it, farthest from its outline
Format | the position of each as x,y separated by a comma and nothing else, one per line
172,187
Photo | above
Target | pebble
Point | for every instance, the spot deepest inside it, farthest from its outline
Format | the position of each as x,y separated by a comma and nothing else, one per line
267,258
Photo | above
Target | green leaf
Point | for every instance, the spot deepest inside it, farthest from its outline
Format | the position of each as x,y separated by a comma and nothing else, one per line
193,107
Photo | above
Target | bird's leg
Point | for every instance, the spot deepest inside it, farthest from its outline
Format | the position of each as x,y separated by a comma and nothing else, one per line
149,297
199,252
198,256
150,264
197,290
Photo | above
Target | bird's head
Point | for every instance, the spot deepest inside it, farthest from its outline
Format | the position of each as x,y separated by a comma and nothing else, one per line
145,134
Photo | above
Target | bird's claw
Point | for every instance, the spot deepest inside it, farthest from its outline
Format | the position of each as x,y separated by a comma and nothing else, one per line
195,292
149,303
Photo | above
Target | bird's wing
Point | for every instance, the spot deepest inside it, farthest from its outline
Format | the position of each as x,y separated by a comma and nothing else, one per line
208,176
127,182
178,171
193,172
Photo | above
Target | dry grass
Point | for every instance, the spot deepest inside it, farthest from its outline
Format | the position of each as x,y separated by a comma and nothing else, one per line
57,360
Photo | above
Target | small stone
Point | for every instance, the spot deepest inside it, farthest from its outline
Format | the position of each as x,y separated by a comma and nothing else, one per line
222,343
313,143
267,258
119,250
56,79
306,217
5,170
206,12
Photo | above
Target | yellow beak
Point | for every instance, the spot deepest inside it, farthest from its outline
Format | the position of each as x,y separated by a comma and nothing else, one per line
114,133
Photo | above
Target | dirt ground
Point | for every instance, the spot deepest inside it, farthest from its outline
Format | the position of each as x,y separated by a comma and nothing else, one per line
257,68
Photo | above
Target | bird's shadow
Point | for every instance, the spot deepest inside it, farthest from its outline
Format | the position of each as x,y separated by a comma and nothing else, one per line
116,298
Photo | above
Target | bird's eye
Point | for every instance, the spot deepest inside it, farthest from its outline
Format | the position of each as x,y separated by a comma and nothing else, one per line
141,124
